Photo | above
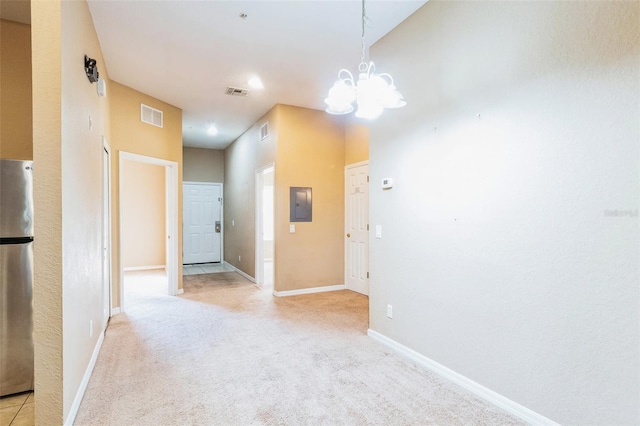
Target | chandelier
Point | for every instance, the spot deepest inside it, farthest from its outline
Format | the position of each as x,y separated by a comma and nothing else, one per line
372,93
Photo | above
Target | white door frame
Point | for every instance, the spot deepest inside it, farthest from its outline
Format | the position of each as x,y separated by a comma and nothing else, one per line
171,203
346,195
221,185
259,244
106,212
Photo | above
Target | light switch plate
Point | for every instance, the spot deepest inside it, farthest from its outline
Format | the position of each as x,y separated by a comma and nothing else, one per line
378,231
292,228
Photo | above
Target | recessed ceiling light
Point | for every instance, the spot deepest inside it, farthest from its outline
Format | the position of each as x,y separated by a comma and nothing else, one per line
255,83
212,130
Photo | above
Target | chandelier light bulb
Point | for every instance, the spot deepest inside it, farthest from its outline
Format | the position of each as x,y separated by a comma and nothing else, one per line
372,91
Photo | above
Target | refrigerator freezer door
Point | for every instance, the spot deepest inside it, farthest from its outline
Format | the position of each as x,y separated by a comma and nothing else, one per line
16,323
16,198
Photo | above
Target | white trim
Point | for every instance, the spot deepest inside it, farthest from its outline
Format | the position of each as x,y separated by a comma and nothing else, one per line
309,290
180,291
73,411
354,165
244,274
144,268
495,398
115,311
171,187
107,148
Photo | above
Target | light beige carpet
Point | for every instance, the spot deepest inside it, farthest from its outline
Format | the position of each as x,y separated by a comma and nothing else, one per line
227,353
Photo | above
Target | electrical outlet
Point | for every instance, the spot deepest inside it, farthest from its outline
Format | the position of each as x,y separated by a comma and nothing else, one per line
233,222
239,258
389,311
90,328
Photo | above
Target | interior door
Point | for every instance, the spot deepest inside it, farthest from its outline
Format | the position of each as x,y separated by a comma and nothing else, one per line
357,228
202,218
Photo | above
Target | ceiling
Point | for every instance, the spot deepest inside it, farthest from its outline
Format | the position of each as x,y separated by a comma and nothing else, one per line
187,53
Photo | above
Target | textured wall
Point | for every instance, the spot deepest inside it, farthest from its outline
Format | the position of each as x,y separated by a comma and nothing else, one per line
203,165
67,191
129,134
143,215
310,154
47,188
502,254
82,149
242,158
16,127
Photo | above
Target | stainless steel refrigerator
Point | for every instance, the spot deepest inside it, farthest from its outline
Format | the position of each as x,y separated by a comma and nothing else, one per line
16,276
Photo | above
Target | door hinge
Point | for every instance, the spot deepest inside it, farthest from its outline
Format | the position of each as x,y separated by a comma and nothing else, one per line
367,178
367,275
367,226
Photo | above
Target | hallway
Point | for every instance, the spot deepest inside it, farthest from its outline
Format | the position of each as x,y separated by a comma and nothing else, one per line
226,352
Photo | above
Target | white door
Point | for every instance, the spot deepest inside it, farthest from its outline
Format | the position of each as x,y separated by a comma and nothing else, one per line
357,228
202,219
106,237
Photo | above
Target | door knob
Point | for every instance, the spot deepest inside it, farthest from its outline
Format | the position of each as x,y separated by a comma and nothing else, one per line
348,235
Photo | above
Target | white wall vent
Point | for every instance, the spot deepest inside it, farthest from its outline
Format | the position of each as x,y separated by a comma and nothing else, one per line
264,131
236,91
151,115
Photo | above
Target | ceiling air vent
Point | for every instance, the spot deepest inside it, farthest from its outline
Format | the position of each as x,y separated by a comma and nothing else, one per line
264,131
151,115
236,91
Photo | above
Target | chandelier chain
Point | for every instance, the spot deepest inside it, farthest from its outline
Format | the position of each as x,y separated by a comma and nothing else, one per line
365,21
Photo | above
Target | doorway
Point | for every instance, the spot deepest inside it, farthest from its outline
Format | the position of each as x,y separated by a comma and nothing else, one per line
170,234
356,223
202,234
265,235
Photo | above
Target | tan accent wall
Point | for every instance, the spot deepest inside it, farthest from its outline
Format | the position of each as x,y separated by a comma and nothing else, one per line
510,240
68,203
130,134
242,158
16,127
143,215
203,165
308,149
310,153
356,143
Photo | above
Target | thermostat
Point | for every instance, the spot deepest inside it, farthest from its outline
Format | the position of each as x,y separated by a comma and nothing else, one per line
387,183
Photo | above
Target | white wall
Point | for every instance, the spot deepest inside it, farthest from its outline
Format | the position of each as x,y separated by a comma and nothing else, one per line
499,253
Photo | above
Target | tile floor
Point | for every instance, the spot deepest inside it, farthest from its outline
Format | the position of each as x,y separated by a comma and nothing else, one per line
17,410
206,268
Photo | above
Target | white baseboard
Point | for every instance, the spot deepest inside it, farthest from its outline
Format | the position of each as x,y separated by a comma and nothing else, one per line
73,411
247,276
115,311
144,268
309,290
487,394
180,291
